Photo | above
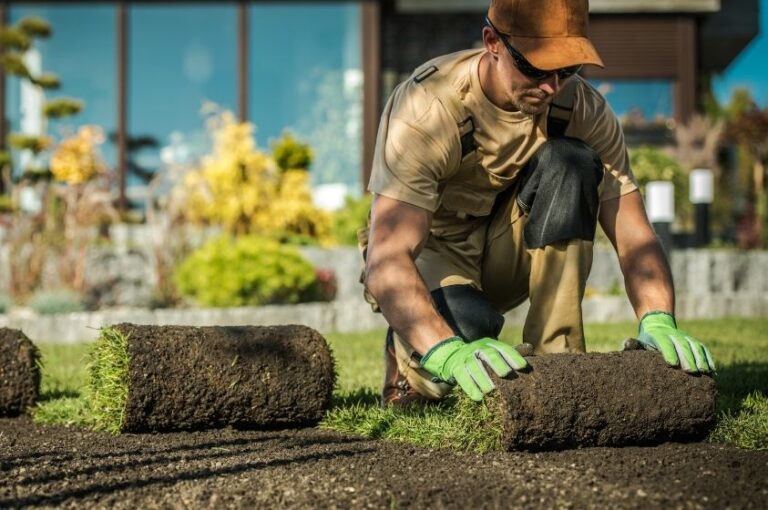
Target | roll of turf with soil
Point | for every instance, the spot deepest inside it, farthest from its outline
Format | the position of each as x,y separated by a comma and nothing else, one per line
19,372
602,399
161,378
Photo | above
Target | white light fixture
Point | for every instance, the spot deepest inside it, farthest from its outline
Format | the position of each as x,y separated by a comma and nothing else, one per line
702,186
660,201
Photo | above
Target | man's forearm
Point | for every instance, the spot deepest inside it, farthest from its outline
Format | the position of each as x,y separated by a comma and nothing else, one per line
405,301
648,279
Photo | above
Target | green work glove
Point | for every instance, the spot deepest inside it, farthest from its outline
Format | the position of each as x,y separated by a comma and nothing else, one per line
658,331
456,362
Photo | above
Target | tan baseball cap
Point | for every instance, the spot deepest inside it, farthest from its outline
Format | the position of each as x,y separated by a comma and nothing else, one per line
550,33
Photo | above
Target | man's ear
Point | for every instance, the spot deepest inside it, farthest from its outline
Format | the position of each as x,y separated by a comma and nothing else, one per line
491,41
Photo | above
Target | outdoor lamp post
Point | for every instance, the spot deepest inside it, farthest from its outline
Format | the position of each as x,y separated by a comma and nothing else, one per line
660,206
701,194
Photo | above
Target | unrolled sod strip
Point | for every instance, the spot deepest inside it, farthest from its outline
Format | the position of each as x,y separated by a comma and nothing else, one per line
602,399
19,372
159,378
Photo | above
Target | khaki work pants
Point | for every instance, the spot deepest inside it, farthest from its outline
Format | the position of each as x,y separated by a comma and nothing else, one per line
553,278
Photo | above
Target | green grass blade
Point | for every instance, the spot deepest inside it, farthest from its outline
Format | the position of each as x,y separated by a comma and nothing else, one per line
108,386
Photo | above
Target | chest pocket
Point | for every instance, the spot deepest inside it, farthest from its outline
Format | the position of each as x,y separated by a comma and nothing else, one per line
472,190
466,202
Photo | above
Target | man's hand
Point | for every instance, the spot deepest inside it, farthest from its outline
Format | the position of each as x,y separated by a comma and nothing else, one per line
658,331
461,363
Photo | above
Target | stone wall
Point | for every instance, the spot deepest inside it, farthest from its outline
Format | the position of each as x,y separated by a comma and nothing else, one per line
709,283
340,316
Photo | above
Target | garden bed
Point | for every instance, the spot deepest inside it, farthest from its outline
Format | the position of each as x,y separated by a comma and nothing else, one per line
70,468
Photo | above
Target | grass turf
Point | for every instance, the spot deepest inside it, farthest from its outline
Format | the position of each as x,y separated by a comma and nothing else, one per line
97,400
738,346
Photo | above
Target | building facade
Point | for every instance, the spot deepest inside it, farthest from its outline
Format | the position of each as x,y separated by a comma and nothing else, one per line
146,70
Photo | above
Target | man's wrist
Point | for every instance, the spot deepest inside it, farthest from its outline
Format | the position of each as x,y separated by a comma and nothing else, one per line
436,357
659,314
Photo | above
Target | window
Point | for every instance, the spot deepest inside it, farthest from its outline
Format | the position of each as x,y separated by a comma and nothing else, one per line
81,52
179,56
639,103
306,76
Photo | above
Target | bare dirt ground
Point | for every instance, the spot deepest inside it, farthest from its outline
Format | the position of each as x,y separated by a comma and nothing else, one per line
52,466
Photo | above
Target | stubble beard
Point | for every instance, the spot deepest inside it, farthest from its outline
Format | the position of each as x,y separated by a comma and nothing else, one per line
529,108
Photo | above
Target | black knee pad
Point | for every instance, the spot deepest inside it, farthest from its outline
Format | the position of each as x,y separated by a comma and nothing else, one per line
559,193
468,312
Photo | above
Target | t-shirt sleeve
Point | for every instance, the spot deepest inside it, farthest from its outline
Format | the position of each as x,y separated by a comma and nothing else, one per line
594,122
415,149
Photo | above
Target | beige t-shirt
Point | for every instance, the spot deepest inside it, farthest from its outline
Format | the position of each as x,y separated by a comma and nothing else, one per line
418,157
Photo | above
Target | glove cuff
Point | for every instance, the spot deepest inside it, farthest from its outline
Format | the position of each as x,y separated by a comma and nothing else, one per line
434,359
658,317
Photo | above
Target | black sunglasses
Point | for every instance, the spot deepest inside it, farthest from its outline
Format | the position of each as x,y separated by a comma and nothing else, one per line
525,67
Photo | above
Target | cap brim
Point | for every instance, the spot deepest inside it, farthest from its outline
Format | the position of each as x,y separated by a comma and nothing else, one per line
556,52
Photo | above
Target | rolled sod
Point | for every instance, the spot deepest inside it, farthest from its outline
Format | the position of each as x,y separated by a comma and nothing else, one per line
19,372
162,378
602,399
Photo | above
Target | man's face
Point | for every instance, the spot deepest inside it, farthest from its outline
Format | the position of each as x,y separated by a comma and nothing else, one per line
525,94
520,85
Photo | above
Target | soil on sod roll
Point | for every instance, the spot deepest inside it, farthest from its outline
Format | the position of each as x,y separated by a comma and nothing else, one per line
54,467
603,399
19,372
194,378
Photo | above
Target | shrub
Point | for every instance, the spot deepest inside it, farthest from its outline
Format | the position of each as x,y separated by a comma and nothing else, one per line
6,204
650,164
76,159
243,189
291,154
33,143
294,218
48,302
247,270
13,38
350,218
5,303
61,107
324,288
48,81
33,26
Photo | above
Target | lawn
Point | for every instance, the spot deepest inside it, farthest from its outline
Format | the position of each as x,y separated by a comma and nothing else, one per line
739,346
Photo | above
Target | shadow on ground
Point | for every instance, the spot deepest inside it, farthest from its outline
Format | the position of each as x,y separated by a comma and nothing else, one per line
737,380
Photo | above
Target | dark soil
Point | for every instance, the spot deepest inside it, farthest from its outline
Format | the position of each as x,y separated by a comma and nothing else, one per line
604,399
19,372
183,377
309,468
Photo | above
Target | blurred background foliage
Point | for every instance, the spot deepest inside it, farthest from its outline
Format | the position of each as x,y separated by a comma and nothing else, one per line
59,199
245,190
245,270
350,218
653,164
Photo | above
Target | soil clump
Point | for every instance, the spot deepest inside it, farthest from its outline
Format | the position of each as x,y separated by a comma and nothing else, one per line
184,378
603,399
311,468
19,372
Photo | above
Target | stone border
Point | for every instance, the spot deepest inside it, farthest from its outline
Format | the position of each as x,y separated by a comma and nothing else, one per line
340,316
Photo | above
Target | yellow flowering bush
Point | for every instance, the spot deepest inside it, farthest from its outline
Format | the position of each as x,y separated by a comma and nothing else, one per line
76,159
234,183
242,189
293,211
